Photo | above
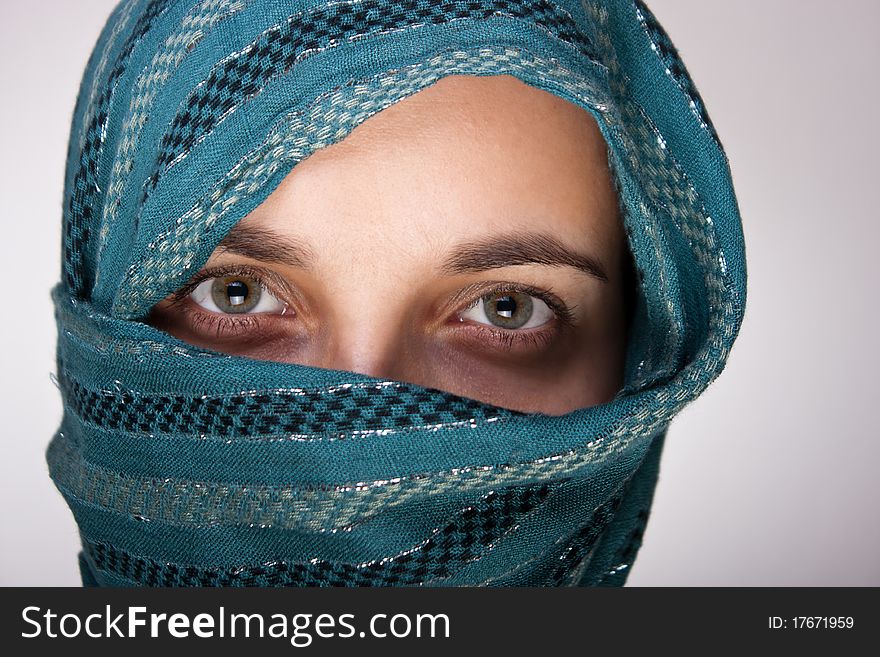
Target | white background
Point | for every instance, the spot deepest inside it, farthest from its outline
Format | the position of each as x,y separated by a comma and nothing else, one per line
770,478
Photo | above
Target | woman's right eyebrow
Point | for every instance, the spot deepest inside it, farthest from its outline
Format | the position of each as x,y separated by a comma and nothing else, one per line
267,246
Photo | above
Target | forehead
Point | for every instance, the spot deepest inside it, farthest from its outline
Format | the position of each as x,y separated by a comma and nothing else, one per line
465,156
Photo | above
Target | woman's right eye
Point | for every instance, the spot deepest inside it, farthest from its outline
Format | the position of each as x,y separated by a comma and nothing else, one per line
235,295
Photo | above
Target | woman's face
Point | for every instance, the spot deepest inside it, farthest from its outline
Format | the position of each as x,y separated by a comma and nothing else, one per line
466,238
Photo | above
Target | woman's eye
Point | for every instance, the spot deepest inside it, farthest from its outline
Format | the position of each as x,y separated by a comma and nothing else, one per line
509,310
235,295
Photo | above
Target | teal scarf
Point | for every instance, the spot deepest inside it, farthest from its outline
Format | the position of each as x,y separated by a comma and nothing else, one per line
187,467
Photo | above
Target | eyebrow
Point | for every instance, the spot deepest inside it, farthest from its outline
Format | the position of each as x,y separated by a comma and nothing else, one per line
268,246
520,248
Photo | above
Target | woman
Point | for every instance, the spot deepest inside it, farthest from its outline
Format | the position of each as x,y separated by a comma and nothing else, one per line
380,293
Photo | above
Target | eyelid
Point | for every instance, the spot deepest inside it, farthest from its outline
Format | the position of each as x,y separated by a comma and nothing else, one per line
270,281
488,337
476,291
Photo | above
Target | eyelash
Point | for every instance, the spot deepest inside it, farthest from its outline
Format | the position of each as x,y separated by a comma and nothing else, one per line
508,338
224,325
228,324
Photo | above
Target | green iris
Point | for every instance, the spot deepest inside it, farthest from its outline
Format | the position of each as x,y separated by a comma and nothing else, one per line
510,310
235,294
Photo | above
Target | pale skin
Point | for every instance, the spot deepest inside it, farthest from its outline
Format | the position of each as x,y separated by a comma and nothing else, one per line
466,238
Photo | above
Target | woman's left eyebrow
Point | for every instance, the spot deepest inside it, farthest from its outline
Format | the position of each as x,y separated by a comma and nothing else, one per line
520,248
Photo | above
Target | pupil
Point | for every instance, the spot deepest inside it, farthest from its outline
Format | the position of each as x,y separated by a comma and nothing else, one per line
505,306
237,293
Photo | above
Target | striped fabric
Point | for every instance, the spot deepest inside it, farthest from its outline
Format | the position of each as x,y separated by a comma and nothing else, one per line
184,467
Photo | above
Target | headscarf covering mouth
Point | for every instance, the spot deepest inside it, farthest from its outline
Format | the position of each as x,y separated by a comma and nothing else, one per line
187,467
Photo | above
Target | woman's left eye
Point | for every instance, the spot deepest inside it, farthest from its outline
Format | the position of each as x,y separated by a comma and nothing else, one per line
235,295
509,310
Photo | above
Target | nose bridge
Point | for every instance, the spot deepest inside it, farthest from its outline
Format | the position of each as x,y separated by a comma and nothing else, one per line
366,353
368,287
367,330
